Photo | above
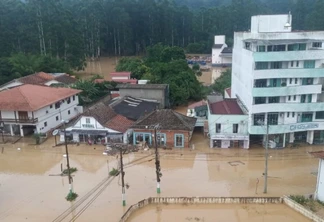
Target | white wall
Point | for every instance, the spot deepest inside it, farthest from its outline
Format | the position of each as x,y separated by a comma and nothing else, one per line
219,39
320,181
119,77
10,85
8,115
51,82
270,23
82,124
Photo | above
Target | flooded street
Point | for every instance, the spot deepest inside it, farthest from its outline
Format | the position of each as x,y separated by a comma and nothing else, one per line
31,190
217,213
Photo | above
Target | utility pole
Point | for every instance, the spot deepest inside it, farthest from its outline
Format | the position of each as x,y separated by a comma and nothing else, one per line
67,160
122,176
266,160
157,162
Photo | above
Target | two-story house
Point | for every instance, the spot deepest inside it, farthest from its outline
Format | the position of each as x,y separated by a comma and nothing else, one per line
28,109
228,125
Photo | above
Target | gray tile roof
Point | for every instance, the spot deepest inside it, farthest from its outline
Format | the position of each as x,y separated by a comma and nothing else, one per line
142,86
217,46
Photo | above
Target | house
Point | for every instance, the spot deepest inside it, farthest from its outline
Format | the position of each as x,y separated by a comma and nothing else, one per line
319,192
154,92
278,79
98,124
228,125
198,110
122,77
40,78
221,56
175,129
29,108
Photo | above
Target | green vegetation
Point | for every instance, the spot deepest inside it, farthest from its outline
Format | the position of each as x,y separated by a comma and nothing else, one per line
167,65
114,172
223,82
72,170
311,204
71,196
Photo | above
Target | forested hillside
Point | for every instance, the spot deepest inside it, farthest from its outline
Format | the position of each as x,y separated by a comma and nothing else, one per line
71,30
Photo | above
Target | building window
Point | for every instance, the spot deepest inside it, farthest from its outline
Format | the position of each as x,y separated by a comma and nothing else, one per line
218,127
276,48
259,100
161,139
292,64
51,106
296,80
260,83
69,112
258,119
73,98
303,98
247,45
87,120
317,44
273,99
319,115
297,63
179,140
290,81
297,47
274,82
45,124
289,98
294,97
57,118
307,81
288,114
309,98
293,114
68,100
307,117
275,65
261,65
46,111
235,128
309,64
57,105
261,48
273,118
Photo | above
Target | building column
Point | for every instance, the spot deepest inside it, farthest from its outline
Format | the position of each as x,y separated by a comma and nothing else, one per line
21,130
211,143
284,140
106,139
246,144
291,138
310,137
11,130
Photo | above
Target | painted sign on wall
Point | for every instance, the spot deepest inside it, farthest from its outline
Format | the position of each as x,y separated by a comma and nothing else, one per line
87,125
304,126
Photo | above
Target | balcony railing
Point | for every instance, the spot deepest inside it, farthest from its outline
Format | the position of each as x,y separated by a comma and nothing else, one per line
12,120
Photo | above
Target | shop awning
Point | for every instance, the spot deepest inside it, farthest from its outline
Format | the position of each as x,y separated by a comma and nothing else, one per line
94,132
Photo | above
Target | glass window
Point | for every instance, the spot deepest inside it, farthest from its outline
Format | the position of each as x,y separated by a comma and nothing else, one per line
275,65
274,99
57,105
259,83
290,81
261,48
261,65
309,64
235,128
296,80
297,63
247,45
307,81
309,98
45,124
303,98
73,98
319,115
68,100
218,127
179,140
259,100
273,118
276,48
275,82
297,47
293,114
258,119
288,114
294,97
57,118
292,63
307,117
87,120
317,44
289,98
51,106
69,112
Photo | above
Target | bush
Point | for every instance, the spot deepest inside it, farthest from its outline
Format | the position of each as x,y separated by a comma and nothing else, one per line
114,172
71,196
72,170
299,199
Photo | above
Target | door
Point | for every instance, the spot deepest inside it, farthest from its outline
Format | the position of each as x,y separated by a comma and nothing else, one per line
22,115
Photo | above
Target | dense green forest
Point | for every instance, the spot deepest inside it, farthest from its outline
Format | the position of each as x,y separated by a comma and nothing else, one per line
63,33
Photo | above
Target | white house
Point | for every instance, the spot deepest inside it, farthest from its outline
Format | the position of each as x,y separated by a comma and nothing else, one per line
221,56
319,192
278,77
40,78
228,125
32,108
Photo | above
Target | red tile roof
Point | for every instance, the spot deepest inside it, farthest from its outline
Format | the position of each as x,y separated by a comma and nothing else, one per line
120,123
318,154
115,95
228,91
200,103
227,106
39,78
32,97
131,81
116,74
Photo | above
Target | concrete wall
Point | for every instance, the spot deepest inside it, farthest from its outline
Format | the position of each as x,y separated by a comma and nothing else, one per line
320,181
154,94
199,200
270,23
300,209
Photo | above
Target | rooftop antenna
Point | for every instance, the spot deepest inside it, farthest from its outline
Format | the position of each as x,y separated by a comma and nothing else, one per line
287,25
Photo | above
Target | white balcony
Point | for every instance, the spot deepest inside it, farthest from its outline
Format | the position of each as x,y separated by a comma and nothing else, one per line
288,107
288,73
288,55
285,91
286,128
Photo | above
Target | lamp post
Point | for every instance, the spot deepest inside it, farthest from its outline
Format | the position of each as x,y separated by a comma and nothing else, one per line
67,159
2,129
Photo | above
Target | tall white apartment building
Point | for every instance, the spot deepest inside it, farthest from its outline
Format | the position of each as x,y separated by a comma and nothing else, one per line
278,77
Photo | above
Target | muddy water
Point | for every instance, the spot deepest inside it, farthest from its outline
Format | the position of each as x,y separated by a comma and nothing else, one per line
26,187
217,213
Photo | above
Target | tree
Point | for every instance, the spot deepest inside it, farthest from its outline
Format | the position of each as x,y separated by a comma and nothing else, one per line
223,82
90,91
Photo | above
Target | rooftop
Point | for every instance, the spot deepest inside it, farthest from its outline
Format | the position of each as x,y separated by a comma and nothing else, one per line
66,79
39,78
130,81
197,104
142,86
119,123
168,120
226,107
227,50
133,108
101,112
217,46
32,97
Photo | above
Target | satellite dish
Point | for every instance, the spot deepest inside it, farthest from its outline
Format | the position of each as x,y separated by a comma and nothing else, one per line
55,132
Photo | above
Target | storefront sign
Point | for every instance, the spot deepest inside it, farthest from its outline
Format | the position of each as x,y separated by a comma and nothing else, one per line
88,126
230,137
304,126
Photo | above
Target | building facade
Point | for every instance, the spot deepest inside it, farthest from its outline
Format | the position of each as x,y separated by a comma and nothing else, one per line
31,109
228,125
221,56
277,78
319,192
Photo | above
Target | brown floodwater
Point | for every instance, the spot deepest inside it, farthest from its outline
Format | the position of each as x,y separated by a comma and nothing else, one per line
217,213
31,190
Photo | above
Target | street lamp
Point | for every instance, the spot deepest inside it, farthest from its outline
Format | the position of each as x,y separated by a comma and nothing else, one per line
67,158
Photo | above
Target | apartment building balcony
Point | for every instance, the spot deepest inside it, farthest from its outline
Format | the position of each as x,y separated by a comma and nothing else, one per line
289,73
287,90
21,120
287,128
288,107
288,55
